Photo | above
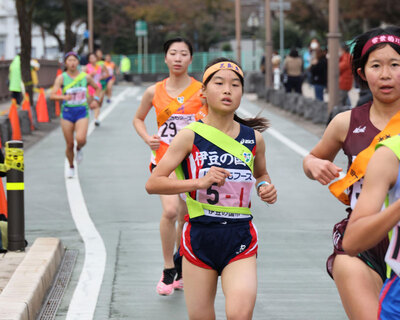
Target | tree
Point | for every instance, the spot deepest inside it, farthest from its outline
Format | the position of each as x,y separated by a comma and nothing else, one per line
50,13
25,10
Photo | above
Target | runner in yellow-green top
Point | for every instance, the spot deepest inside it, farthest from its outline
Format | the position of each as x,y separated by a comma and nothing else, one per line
75,109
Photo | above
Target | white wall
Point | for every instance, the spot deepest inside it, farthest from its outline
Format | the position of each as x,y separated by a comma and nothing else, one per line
10,43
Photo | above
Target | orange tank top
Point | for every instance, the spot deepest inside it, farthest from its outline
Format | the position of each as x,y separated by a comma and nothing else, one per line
188,111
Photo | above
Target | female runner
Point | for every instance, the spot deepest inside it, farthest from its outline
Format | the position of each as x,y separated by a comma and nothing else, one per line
218,161
177,103
375,64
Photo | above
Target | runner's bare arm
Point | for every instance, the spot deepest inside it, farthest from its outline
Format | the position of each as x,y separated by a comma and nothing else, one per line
153,141
91,82
57,86
368,224
267,192
318,164
159,181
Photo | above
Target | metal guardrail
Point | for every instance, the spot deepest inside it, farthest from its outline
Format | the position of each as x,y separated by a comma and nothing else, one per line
46,75
154,63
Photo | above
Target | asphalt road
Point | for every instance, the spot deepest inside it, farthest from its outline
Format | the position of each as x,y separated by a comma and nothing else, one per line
294,233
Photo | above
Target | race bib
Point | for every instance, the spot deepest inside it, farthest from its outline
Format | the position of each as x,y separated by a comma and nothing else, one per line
173,125
392,257
236,192
77,96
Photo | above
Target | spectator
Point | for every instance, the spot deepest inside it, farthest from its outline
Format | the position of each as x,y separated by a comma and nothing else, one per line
276,68
319,70
15,86
262,65
345,76
293,67
125,67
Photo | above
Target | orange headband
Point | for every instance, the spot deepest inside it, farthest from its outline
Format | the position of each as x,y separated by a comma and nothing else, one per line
223,65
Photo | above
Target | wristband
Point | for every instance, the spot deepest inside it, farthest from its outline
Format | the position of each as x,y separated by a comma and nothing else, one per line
96,98
262,183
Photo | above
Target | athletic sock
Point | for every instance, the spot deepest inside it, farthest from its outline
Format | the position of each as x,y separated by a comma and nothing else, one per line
169,275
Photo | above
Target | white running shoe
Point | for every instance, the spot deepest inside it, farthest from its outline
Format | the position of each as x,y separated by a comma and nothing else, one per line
79,156
70,173
97,122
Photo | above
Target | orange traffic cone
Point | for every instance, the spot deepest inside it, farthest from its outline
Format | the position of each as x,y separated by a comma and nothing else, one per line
42,113
59,71
26,105
3,201
57,104
14,120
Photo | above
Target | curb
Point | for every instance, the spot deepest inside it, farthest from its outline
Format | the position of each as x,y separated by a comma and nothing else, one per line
23,295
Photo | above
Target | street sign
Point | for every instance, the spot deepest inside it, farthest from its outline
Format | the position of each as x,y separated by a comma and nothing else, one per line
275,6
141,28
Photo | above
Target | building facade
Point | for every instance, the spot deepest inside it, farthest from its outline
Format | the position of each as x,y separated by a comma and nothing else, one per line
43,45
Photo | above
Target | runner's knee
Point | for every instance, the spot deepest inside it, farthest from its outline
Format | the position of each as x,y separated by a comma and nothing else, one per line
170,213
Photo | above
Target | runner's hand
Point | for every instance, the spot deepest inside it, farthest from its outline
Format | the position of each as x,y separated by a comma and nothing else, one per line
94,104
324,171
267,193
153,142
214,176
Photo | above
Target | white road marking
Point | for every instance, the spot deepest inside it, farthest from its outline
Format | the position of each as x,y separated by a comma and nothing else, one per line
84,299
276,134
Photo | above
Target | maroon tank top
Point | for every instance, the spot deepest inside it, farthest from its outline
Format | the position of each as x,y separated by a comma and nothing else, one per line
360,135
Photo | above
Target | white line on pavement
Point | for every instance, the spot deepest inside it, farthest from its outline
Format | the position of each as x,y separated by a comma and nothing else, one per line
84,299
289,143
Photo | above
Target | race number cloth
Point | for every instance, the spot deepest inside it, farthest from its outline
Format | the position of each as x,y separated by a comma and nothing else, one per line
359,166
228,144
76,89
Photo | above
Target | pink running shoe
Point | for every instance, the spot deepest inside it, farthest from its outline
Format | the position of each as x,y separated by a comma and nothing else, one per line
165,286
178,284
165,289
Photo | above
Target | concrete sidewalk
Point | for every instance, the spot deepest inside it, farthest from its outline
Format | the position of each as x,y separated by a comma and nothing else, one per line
25,278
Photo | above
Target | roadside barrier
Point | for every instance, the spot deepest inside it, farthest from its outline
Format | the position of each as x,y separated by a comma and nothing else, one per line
308,108
26,106
14,120
14,168
42,112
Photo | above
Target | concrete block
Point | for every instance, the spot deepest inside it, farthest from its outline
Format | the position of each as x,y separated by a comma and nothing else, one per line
24,121
11,310
268,94
290,102
5,129
137,80
309,108
51,108
250,82
320,112
34,275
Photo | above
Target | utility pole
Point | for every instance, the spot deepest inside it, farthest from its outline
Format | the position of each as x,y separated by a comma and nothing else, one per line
90,24
268,45
333,50
238,31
